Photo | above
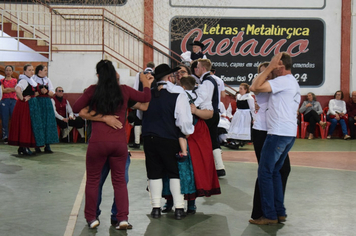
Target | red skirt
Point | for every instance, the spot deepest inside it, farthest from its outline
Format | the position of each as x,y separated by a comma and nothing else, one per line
21,130
201,152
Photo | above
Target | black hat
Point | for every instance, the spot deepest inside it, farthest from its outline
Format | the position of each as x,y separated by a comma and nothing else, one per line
198,44
163,70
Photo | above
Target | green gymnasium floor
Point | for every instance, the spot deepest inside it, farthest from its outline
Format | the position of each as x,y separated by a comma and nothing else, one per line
43,195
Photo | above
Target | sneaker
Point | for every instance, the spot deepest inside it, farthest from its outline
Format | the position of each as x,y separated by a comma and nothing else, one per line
113,222
94,223
263,221
6,141
282,219
123,225
328,137
347,137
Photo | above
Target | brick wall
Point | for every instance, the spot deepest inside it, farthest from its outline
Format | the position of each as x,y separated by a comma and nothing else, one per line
18,67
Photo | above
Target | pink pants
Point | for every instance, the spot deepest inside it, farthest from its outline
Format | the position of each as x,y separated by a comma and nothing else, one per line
97,154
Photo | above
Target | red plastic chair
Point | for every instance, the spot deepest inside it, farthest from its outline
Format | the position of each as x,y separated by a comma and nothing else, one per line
304,125
75,134
338,126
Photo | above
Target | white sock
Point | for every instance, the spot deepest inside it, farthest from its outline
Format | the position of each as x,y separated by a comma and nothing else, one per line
155,186
178,197
219,165
81,132
66,131
137,132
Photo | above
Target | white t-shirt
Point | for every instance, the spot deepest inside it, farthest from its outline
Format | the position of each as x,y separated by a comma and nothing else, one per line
260,122
283,105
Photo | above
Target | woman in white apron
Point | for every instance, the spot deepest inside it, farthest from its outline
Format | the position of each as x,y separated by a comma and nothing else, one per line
240,128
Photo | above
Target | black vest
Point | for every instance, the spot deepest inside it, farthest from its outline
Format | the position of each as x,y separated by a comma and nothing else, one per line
28,91
215,98
159,119
196,56
242,104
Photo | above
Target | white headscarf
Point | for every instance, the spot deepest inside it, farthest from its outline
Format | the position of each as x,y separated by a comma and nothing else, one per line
29,80
40,80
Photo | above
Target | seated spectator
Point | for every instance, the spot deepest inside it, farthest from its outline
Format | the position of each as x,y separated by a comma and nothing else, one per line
336,114
65,118
311,109
351,111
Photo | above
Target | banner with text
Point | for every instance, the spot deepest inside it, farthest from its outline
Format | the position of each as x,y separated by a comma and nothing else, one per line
237,46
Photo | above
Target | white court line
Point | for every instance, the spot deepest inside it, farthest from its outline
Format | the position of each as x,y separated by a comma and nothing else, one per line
75,210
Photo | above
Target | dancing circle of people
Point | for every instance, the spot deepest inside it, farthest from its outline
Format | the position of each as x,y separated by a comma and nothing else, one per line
183,123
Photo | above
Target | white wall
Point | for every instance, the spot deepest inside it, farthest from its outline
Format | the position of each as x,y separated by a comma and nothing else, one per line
73,71
76,71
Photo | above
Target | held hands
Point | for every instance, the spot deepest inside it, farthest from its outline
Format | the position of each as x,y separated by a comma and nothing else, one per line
28,97
276,62
44,90
113,121
193,108
65,120
257,107
146,79
337,117
309,105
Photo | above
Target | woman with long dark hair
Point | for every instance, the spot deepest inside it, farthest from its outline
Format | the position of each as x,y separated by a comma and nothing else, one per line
107,97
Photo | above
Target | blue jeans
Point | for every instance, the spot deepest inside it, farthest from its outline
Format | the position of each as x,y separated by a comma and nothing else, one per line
7,107
273,154
104,174
333,124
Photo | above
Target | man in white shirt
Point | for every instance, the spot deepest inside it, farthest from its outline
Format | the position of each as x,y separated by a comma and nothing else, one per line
208,98
281,116
220,82
65,118
138,117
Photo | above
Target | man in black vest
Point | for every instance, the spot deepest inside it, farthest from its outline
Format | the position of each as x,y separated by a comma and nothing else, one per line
168,114
208,94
